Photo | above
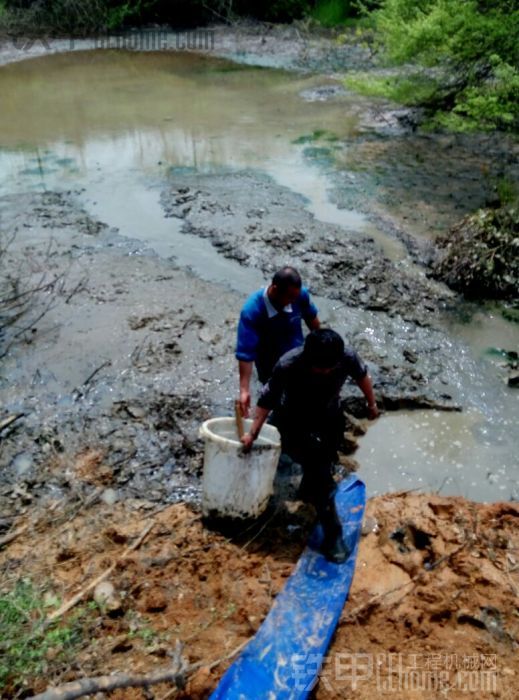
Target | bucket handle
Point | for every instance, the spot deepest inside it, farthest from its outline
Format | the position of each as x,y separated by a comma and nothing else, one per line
239,419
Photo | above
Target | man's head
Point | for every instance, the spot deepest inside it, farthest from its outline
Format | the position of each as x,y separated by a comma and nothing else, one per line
323,350
285,287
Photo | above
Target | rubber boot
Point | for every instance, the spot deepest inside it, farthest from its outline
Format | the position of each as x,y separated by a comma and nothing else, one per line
333,547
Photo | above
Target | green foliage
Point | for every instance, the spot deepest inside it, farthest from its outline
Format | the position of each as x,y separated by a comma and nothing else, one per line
477,39
511,313
435,30
507,191
26,644
409,90
494,103
117,15
491,104
333,13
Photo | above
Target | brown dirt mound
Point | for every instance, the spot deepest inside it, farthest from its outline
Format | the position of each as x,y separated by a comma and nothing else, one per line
436,585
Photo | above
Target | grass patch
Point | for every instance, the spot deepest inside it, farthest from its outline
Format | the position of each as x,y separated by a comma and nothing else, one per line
29,648
409,90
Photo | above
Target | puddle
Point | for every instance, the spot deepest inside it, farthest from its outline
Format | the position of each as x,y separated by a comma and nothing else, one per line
454,453
205,116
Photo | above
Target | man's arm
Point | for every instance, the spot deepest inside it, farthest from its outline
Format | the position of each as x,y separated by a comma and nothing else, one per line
366,387
246,350
313,324
245,378
310,312
269,399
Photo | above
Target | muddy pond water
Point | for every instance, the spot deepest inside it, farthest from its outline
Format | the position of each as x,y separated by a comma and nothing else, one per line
113,124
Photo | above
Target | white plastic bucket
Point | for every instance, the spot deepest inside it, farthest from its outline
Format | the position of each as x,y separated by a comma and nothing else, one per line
235,484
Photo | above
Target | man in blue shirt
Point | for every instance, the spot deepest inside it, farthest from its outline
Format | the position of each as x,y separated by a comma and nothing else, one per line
271,325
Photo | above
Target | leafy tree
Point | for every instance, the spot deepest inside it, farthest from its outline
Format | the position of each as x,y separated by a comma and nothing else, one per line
476,40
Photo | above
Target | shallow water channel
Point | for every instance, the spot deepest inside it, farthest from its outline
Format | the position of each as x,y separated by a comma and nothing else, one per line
113,124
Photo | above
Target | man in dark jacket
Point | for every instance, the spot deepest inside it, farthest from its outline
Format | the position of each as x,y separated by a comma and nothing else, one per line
304,392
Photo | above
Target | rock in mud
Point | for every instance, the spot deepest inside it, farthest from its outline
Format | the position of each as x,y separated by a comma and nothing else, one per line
110,497
107,598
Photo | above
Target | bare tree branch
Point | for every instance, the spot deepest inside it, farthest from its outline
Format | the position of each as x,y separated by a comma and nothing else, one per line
104,684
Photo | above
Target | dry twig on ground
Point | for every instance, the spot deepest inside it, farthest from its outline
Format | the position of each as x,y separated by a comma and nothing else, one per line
81,594
176,674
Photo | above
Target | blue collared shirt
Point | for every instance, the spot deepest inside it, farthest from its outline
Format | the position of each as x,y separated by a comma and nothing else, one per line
265,334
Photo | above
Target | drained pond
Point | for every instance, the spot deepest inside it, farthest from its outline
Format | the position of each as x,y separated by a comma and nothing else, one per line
209,173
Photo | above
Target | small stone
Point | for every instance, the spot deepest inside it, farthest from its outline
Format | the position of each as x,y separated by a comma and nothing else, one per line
206,335
410,356
513,379
110,497
370,524
50,599
103,592
354,425
22,463
348,463
136,411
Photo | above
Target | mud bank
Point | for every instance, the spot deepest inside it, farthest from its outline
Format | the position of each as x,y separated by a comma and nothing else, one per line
272,46
252,220
132,354
432,606
119,364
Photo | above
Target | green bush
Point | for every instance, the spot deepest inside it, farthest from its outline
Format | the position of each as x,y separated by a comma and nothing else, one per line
474,49
409,90
494,103
333,13
434,30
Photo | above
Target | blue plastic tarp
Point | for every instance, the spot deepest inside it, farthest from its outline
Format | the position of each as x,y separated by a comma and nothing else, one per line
283,659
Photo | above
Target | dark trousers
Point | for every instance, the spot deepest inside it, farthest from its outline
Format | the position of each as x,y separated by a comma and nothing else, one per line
314,446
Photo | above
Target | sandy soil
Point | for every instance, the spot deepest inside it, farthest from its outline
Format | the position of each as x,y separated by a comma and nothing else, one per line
436,586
